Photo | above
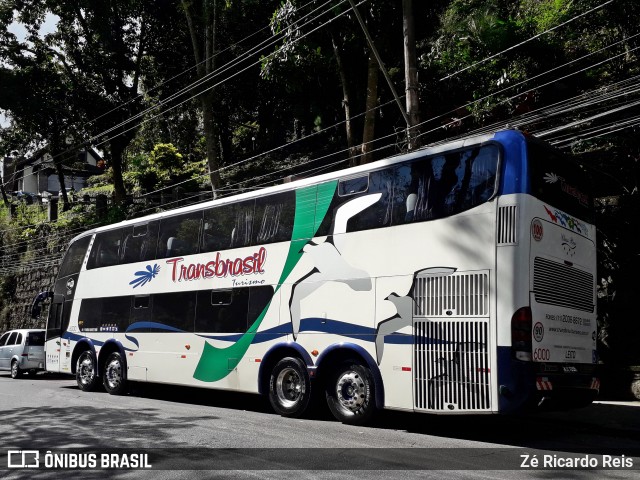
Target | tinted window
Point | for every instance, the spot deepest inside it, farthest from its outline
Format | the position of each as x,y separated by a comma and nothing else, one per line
424,189
351,186
228,226
74,257
19,339
139,243
175,310
274,216
106,249
179,235
12,338
110,314
231,311
559,181
36,339
4,338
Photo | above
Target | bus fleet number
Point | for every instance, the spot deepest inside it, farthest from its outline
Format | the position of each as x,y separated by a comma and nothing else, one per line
542,354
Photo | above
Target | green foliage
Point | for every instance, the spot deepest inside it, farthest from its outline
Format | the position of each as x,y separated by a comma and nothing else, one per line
163,166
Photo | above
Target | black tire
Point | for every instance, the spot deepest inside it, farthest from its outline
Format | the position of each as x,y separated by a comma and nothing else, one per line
290,387
350,392
15,370
86,372
114,377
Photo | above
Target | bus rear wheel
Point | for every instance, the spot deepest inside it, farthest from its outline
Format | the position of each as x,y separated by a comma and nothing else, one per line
350,393
113,377
86,374
290,387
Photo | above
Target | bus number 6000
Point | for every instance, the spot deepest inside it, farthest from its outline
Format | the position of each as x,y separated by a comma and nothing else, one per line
541,354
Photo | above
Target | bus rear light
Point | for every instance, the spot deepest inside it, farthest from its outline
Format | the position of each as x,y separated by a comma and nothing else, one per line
521,334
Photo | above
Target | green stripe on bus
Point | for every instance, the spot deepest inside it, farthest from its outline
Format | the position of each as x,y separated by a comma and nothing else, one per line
312,204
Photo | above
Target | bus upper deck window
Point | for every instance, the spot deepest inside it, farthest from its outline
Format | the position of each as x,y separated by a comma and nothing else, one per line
353,185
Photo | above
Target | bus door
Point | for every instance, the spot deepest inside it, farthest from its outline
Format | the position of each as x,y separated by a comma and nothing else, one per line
54,329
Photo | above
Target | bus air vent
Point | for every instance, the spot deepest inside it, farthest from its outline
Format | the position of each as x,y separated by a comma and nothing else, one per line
558,284
507,233
458,294
452,369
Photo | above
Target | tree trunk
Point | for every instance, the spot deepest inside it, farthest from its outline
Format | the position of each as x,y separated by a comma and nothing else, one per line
411,75
346,101
370,114
205,64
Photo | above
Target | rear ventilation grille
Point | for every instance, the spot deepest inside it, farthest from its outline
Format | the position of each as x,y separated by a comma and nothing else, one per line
456,295
559,284
452,370
507,225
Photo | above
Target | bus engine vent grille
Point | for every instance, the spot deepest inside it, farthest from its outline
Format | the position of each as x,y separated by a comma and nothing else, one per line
456,295
452,370
558,284
507,225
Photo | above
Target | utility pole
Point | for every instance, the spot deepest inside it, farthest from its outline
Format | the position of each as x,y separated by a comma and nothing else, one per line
410,75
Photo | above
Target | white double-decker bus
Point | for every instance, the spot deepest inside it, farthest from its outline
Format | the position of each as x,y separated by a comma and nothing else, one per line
454,279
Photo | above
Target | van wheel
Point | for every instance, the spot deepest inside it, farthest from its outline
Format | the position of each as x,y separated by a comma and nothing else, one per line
113,378
86,374
15,370
350,393
290,387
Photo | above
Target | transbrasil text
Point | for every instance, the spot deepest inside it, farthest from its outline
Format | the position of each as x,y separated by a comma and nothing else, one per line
218,267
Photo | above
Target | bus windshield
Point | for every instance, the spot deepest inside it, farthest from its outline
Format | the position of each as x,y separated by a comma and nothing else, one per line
559,181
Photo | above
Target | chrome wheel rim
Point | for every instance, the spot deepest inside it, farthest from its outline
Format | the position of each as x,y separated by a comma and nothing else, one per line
85,370
113,374
14,369
289,387
351,390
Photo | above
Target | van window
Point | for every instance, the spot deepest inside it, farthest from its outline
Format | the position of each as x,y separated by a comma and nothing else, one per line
4,338
35,339
12,338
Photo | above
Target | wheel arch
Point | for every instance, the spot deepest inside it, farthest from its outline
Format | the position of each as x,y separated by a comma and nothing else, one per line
338,353
274,355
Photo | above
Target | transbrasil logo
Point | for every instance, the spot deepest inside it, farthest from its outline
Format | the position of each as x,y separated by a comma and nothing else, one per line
145,276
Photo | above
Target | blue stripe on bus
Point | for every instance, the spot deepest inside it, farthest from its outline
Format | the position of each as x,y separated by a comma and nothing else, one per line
321,325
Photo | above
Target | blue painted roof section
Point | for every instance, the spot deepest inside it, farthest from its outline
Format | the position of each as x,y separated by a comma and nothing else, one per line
514,175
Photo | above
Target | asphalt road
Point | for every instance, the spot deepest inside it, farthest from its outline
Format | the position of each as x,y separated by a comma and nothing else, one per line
194,433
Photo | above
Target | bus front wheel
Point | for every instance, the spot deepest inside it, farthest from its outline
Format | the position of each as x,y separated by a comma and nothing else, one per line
350,393
86,375
113,377
290,387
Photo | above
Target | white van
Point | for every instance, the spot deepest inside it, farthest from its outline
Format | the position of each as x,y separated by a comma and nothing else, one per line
22,351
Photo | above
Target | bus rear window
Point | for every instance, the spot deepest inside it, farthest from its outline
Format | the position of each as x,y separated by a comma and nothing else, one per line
559,181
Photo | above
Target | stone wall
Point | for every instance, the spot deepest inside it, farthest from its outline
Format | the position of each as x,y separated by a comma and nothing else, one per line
28,284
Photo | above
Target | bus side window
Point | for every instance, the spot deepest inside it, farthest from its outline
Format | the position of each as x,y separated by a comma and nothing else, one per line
222,311
175,310
106,249
228,226
139,243
274,218
179,235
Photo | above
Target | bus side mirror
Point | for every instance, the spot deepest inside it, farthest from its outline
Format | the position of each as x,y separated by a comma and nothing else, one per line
36,306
